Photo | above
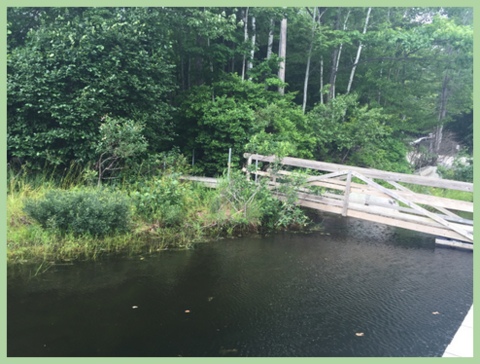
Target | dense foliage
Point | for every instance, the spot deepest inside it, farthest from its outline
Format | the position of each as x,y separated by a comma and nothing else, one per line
93,212
117,89
78,66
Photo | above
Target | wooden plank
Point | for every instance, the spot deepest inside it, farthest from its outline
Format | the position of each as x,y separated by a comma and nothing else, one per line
387,210
371,173
329,198
208,181
437,231
430,200
415,206
324,203
434,201
247,170
327,176
454,243
407,225
415,197
395,222
441,209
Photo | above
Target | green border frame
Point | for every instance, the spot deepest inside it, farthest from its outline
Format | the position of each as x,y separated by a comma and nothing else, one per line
273,3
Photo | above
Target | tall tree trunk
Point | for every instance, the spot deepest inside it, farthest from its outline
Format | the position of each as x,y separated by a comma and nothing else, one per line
359,51
282,52
211,63
252,51
245,22
270,38
321,79
442,112
379,94
189,70
307,71
336,61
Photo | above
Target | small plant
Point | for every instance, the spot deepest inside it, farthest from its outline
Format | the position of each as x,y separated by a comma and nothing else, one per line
120,139
240,195
289,213
462,170
81,212
162,200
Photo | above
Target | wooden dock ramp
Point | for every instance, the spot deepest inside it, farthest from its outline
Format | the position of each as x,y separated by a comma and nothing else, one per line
373,195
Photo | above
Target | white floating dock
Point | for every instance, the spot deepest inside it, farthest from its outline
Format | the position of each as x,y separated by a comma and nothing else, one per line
462,342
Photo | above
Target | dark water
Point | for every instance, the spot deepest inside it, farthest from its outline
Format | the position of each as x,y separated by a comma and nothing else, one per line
283,295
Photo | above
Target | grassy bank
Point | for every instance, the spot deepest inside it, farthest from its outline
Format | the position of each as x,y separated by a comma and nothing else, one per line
50,219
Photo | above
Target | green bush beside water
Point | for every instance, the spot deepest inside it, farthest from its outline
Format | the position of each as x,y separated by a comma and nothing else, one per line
57,220
94,212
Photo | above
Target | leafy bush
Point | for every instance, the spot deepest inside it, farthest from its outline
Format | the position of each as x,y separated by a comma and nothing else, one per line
162,199
83,63
256,202
349,133
462,169
121,139
93,212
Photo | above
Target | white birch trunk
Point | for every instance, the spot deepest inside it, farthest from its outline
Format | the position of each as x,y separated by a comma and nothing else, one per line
270,39
245,22
307,71
336,62
359,51
321,79
442,113
252,51
282,53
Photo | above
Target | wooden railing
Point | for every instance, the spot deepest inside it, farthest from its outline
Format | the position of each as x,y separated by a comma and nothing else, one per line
353,191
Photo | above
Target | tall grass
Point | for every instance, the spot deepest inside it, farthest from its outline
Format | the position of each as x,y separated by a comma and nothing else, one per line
165,212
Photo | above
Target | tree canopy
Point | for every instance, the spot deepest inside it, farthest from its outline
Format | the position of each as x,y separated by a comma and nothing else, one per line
360,83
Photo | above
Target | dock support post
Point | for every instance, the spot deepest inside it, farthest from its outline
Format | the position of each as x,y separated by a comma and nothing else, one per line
346,196
229,162
249,163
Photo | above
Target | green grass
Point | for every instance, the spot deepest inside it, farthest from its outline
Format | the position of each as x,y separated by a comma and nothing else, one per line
205,214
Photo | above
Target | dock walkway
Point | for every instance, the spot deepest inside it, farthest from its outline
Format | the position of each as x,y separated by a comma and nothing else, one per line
369,194
462,342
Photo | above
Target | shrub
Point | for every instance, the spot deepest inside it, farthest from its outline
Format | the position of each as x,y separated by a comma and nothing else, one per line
460,171
257,203
93,212
162,200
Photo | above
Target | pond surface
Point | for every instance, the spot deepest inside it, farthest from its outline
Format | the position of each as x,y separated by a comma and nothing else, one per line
356,289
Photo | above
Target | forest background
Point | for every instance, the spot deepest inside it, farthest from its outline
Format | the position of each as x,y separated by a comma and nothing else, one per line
346,85
107,107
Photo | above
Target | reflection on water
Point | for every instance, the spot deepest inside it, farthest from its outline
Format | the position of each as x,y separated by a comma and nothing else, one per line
356,289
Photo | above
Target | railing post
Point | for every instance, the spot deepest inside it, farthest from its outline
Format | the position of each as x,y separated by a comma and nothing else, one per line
249,163
346,197
229,162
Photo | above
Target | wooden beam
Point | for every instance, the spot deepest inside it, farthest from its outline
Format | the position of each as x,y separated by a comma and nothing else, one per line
434,201
432,230
454,243
415,206
441,209
371,173
394,212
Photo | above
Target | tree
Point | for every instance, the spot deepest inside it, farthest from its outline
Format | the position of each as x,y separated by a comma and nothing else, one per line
120,140
307,71
336,56
359,51
78,66
349,133
282,51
